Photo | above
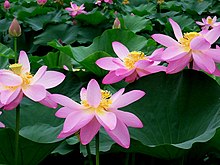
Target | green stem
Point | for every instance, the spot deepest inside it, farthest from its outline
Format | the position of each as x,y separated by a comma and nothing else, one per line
133,158
89,154
15,49
17,133
97,148
127,158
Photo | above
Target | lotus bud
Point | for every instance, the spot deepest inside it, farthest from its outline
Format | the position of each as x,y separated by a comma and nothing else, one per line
6,4
41,2
15,28
117,24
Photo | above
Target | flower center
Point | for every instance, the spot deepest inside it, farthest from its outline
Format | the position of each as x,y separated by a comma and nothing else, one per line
132,58
209,21
104,104
187,38
16,68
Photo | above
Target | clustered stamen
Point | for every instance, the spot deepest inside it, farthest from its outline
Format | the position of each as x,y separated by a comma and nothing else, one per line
187,38
132,58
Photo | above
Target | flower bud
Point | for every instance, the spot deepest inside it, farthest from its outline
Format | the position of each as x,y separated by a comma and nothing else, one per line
6,4
117,24
41,2
15,28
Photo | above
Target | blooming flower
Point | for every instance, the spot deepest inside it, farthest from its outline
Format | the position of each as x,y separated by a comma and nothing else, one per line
98,108
129,66
98,2
18,81
76,10
41,2
6,4
1,124
15,28
208,23
191,48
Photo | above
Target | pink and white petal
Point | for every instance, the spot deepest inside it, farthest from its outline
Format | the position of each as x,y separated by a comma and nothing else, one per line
178,65
129,119
88,132
50,79
35,92
120,134
83,92
216,72
118,62
14,103
173,53
200,23
199,43
176,29
111,78
47,101
107,119
204,62
2,125
116,95
76,120
156,55
64,112
65,101
155,69
142,72
142,64
165,40
123,72
212,35
93,93
69,9
23,59
214,54
107,63
41,71
128,98
132,77
120,50
10,79
66,134
7,96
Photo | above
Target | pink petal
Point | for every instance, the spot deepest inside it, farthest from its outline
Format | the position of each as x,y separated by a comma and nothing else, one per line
118,94
178,65
64,112
216,72
83,93
14,103
93,93
120,134
212,35
76,120
50,79
127,98
120,50
129,119
39,74
143,64
173,53
2,125
111,78
106,119
35,92
155,69
10,79
47,101
199,43
200,23
88,132
65,101
69,9
205,62
214,53
123,72
165,40
176,29
7,96
107,63
23,59
132,77
156,55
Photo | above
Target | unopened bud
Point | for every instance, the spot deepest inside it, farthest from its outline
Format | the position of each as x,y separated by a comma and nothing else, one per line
41,2
117,24
15,28
6,4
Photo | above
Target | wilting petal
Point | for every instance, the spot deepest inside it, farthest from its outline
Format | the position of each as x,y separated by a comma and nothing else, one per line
129,119
93,93
128,98
88,132
176,29
116,95
120,134
35,92
214,54
120,50
107,63
23,59
173,53
50,79
14,103
64,112
111,78
7,96
10,79
65,101
106,119
165,40
199,43
205,62
212,35
39,74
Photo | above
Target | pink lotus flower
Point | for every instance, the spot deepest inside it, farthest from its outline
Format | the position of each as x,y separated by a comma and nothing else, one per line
208,23
192,49
18,81
76,10
7,5
129,66
41,2
1,124
98,108
98,2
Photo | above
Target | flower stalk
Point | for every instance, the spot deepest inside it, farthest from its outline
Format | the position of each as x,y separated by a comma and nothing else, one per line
97,148
89,154
17,133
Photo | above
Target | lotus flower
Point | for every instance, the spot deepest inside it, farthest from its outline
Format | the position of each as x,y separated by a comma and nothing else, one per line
98,108
208,23
190,49
41,2
1,124
15,28
18,81
76,10
129,66
98,2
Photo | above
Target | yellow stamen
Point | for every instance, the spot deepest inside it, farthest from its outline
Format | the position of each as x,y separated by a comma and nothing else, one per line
209,21
132,58
125,2
187,38
160,1
16,68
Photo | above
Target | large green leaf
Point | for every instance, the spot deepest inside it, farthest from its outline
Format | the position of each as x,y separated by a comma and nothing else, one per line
177,111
